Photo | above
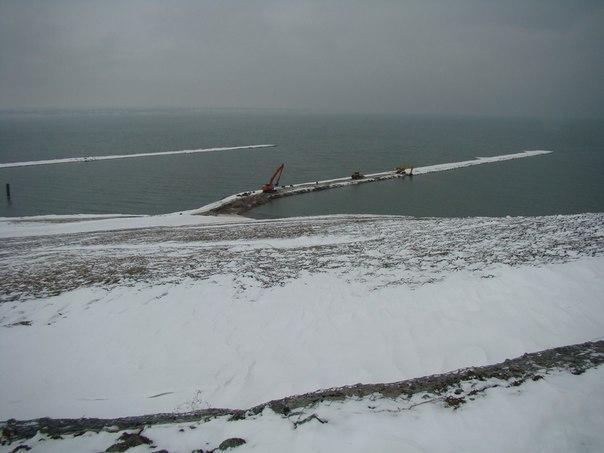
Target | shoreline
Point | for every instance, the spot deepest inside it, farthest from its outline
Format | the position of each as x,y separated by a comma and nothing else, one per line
240,203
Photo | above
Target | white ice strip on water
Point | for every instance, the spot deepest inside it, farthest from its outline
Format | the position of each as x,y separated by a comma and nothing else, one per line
126,156
477,161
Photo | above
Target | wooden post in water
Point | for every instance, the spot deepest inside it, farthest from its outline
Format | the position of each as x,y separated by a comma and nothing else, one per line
8,191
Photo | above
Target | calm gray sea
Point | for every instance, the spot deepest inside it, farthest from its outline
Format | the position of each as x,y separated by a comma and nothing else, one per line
313,147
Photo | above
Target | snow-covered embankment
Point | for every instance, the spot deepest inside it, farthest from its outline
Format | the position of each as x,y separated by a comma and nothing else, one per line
274,308
172,319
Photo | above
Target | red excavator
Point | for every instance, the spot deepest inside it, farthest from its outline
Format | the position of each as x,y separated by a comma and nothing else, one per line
270,186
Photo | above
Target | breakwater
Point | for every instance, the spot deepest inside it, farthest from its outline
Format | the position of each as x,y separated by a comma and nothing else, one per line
245,201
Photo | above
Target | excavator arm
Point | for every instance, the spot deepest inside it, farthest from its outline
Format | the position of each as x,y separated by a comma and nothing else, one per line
270,186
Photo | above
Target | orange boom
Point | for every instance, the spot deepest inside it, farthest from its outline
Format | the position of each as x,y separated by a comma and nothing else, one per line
270,186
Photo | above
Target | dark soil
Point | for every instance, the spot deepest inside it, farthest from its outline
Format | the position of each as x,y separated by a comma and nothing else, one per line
129,440
231,443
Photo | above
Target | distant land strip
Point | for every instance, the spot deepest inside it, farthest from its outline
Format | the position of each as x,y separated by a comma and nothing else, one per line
126,156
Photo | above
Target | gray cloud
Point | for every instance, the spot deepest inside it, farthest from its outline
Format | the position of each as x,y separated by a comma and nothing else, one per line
532,57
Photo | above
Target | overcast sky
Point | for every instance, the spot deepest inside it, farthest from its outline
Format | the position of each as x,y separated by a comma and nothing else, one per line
513,57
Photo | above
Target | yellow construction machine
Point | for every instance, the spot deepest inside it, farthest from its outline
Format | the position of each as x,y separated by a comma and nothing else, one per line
404,169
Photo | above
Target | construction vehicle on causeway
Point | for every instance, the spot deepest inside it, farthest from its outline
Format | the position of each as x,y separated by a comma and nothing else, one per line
244,201
270,185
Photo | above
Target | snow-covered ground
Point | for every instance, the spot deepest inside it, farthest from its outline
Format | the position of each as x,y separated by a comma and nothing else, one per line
46,225
560,413
129,315
160,319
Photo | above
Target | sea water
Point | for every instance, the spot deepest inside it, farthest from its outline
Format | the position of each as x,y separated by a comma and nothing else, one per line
313,147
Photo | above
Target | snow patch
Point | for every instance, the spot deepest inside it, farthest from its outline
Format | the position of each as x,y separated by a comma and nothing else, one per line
98,352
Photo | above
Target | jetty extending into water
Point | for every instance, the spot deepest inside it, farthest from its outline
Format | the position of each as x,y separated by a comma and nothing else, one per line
69,160
244,201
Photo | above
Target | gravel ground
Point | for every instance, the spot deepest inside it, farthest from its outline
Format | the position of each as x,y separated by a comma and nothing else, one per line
379,251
